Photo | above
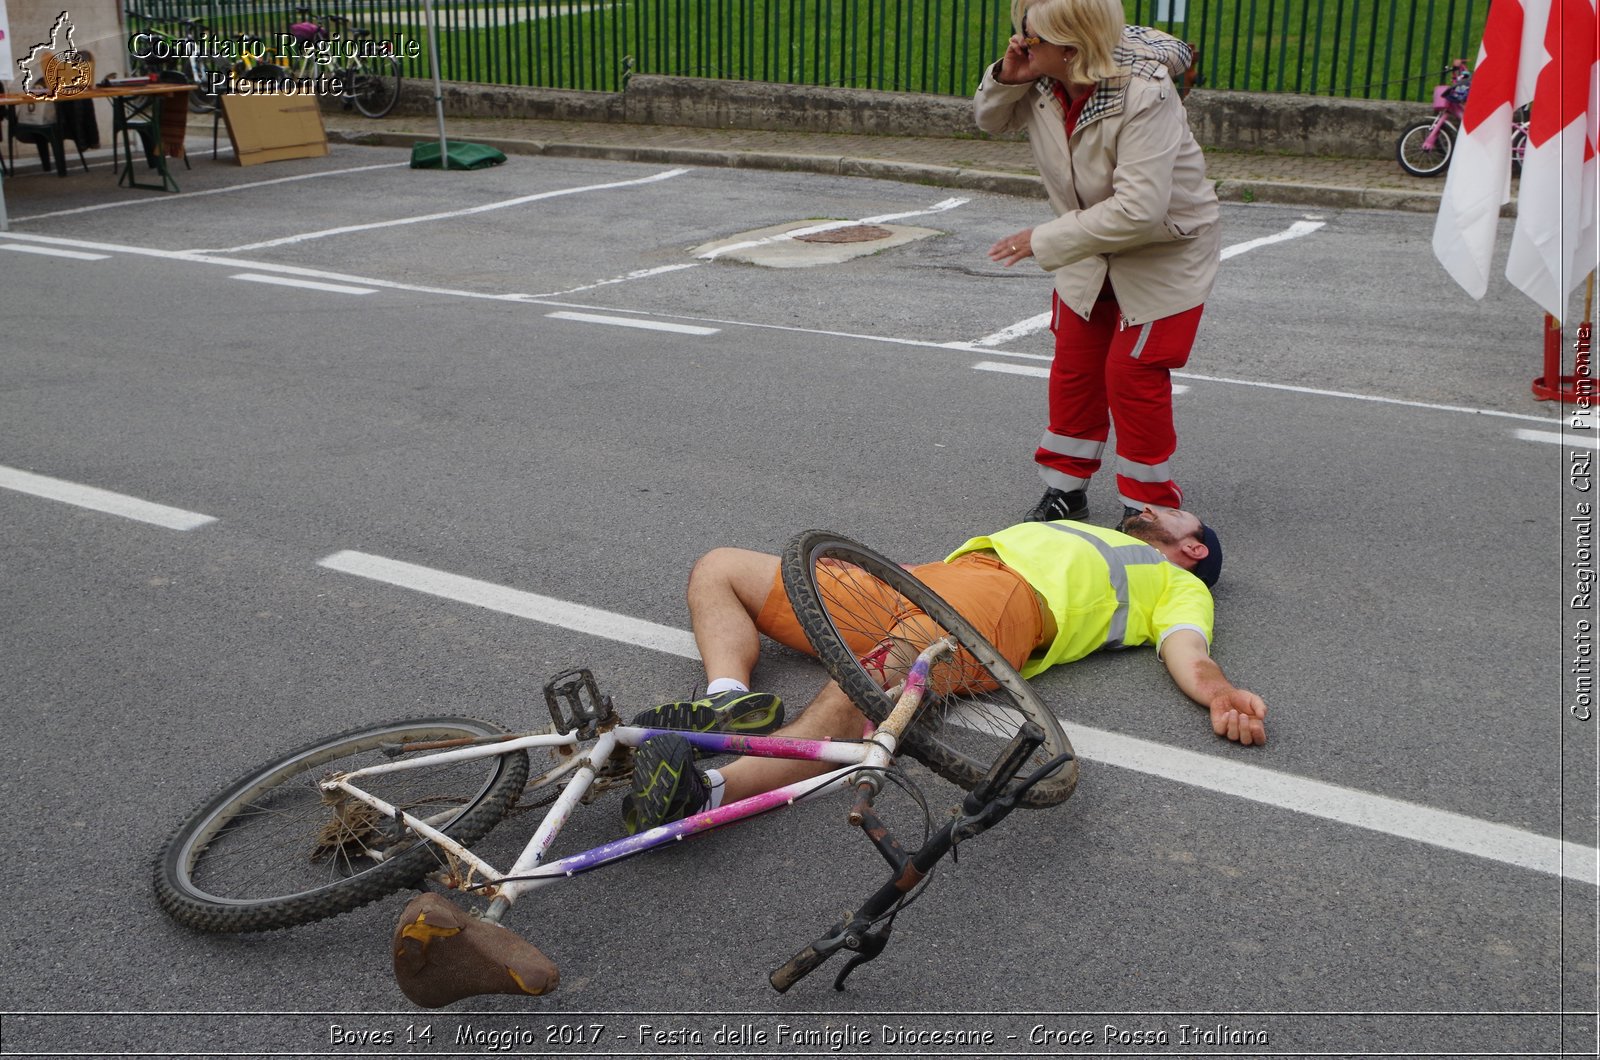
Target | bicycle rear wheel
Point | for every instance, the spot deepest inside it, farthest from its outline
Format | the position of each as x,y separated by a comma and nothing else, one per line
1418,160
975,702
272,851
375,85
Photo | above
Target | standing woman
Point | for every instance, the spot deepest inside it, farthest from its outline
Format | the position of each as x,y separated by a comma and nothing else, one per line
1134,245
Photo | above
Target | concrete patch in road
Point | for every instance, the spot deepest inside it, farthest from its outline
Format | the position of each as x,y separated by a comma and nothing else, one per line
803,244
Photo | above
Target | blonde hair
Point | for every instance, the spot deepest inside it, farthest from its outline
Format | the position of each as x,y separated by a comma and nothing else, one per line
1093,28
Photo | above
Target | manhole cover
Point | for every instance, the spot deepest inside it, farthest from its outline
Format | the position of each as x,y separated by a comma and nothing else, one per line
851,234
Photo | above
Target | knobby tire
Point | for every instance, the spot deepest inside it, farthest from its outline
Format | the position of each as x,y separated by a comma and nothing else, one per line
274,822
956,734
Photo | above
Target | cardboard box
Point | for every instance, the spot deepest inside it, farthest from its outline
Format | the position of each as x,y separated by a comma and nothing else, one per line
270,128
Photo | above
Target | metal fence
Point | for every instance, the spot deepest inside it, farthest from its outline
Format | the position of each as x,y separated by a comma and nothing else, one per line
1374,49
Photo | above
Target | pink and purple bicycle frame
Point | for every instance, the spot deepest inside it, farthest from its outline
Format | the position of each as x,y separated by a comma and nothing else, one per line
859,763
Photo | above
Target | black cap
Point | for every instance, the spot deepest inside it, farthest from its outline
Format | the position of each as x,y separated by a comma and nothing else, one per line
1209,569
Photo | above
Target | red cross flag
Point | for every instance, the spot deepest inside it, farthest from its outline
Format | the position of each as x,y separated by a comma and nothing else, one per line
1542,52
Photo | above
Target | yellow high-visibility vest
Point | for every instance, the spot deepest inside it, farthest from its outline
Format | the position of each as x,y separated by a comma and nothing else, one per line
1106,589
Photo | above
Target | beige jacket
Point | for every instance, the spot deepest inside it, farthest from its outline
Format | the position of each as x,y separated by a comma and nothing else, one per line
1129,191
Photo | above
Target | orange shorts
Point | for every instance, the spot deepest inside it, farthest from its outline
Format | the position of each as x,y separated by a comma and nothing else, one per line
984,591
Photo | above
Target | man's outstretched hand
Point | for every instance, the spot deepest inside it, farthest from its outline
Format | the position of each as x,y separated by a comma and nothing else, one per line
1239,716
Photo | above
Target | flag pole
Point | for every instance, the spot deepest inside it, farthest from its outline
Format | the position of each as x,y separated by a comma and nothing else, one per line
438,84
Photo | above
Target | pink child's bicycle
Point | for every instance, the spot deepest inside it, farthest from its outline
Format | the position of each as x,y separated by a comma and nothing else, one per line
1424,149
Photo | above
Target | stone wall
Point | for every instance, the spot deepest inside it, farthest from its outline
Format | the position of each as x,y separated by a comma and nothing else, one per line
1236,121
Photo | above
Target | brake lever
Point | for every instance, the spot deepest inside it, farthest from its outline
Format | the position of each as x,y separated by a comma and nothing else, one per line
1043,771
872,944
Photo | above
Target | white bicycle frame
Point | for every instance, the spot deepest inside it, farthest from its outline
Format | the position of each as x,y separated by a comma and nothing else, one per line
858,764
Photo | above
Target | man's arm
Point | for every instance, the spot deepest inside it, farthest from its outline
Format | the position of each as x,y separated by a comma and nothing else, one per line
1235,713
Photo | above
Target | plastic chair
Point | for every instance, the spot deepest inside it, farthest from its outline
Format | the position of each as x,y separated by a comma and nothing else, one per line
48,126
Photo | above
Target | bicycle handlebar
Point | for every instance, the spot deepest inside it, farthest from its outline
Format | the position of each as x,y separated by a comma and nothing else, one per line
800,965
985,806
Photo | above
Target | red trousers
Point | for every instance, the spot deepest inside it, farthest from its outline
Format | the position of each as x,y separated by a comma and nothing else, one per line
1104,372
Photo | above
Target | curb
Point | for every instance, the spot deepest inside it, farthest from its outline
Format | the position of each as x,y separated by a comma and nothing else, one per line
1019,184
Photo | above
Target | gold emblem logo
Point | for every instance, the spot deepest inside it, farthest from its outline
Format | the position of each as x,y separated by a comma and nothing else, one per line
54,71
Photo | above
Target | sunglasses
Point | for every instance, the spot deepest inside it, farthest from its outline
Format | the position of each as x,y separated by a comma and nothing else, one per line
1028,39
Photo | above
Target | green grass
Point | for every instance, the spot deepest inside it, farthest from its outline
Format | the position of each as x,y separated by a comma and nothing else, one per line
1379,49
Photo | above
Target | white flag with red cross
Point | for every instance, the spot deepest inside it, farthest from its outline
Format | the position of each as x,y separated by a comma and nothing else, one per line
1542,52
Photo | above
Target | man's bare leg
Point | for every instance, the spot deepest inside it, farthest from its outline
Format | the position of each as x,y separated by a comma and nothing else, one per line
727,589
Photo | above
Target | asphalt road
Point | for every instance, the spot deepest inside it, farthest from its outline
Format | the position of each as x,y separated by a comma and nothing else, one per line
1383,876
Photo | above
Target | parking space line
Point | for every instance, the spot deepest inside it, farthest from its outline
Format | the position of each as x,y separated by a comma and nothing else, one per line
637,274
1041,373
1015,331
1588,441
312,285
828,226
100,500
203,258
546,609
1294,231
1332,802
149,200
1040,322
1375,398
629,322
1314,798
77,255
446,215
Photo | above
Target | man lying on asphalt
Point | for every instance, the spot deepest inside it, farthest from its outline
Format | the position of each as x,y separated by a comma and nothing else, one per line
1043,593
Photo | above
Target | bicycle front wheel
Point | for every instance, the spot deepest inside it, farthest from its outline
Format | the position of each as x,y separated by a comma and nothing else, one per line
272,850
375,85
207,98
851,600
1519,148
1422,161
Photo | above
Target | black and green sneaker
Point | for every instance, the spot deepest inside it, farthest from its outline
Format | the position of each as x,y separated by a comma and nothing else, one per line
666,784
746,713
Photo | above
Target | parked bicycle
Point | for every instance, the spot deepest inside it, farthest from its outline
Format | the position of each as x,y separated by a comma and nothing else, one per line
190,52
1425,148
346,820
329,46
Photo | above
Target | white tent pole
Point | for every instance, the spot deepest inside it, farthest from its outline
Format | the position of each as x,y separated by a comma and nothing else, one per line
438,84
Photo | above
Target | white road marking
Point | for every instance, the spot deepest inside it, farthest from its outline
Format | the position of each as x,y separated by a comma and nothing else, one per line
637,274
1350,396
1314,798
313,285
939,207
150,200
1015,331
828,226
78,255
1012,369
203,258
1588,441
631,322
100,500
1042,321
1294,231
445,215
583,619
1041,373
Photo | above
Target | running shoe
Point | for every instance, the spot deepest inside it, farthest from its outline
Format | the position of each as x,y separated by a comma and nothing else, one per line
666,784
746,713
